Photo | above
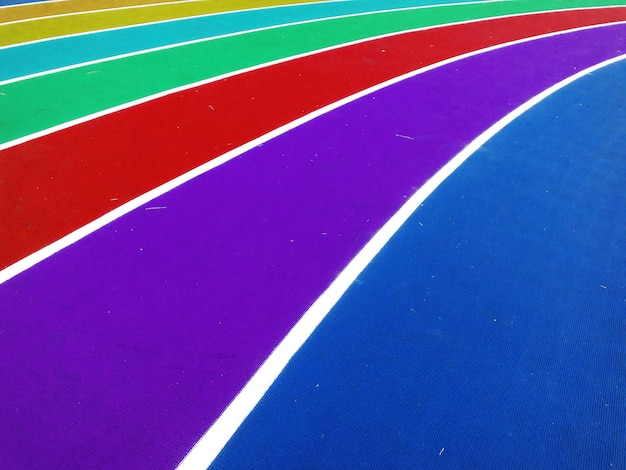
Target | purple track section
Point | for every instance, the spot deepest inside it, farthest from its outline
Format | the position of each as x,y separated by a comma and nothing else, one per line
121,350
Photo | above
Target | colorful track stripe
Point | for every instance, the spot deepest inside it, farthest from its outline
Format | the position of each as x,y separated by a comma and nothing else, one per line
21,10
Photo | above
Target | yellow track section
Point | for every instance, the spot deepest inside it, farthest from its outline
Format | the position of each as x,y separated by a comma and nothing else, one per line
63,7
40,25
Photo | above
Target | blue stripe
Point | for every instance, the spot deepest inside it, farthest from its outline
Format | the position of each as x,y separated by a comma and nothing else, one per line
62,52
5,3
489,332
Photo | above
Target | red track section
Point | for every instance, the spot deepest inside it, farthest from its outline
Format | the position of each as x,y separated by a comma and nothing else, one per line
55,184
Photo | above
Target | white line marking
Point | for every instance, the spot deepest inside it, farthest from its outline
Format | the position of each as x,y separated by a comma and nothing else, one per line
40,255
210,445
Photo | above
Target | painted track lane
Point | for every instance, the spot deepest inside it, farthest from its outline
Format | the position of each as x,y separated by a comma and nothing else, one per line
154,342
488,333
44,200
28,10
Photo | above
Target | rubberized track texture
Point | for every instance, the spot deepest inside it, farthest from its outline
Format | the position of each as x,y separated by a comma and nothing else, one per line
355,234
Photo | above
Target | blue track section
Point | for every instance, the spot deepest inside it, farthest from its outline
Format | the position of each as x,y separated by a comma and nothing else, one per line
489,332
5,3
62,52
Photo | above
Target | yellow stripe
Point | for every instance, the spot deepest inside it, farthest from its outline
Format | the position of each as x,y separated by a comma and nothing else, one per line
38,10
43,28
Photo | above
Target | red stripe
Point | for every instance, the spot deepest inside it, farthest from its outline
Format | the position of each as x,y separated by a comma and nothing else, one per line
55,184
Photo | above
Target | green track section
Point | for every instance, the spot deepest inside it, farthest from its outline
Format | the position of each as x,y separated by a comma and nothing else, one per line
39,103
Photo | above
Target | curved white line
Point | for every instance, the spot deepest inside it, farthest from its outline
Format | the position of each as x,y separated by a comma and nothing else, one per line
217,436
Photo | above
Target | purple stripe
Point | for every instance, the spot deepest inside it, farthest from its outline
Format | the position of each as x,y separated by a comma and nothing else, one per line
121,350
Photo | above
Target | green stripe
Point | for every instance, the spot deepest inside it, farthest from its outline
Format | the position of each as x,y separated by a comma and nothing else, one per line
39,103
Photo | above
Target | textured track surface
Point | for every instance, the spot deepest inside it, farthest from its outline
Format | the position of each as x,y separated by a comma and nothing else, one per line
413,209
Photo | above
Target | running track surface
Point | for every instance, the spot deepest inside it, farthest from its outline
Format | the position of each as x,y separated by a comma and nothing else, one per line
349,238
